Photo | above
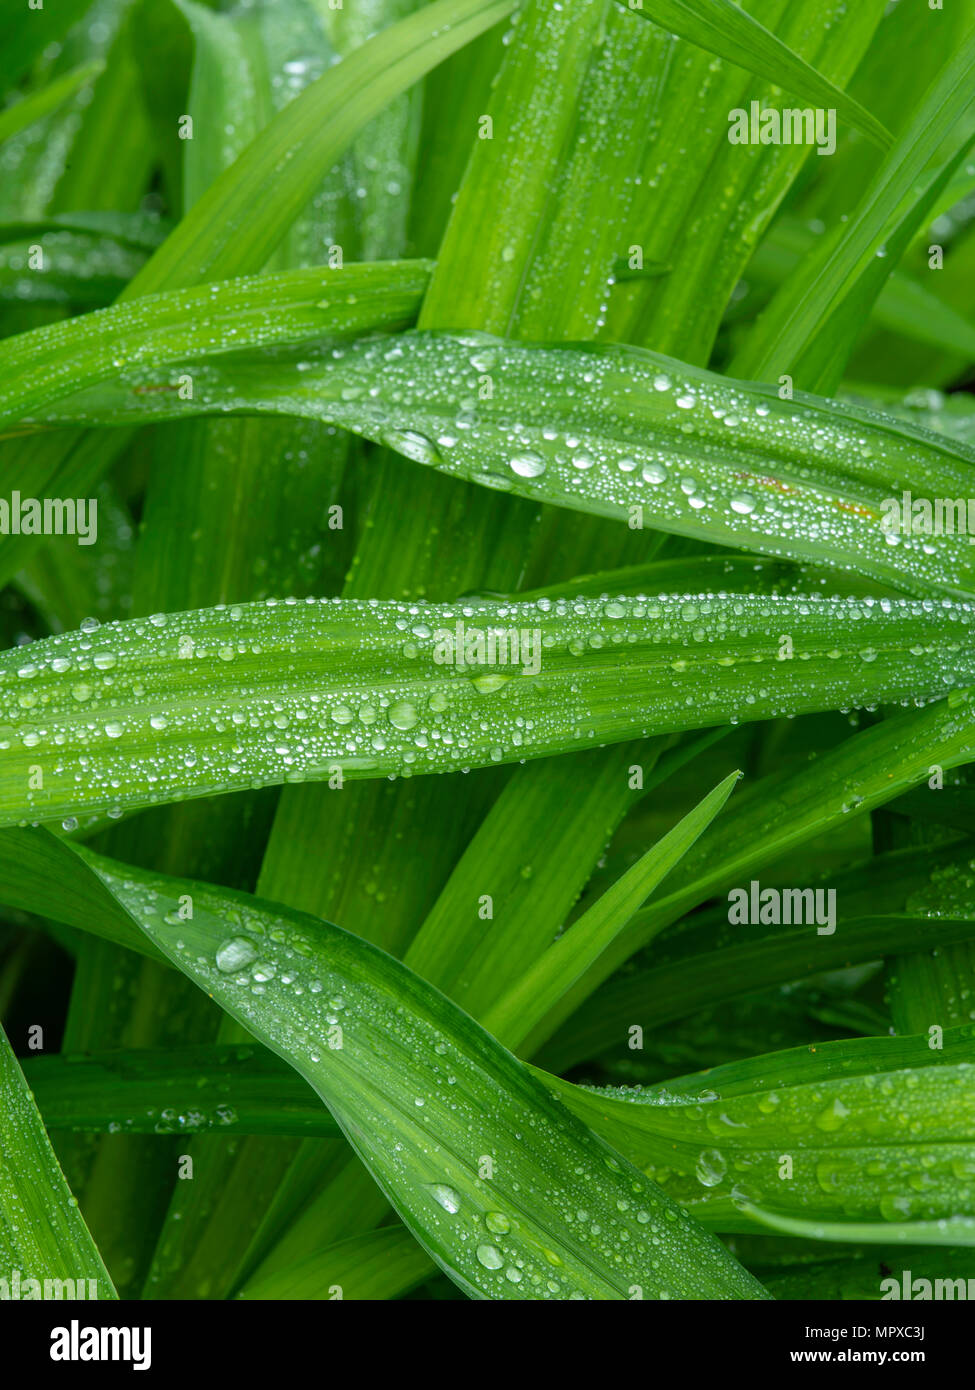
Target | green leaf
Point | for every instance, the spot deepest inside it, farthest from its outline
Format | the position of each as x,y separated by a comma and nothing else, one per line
858,1274
415,1083
42,1235
806,332
49,98
725,28
654,442
26,31
190,1090
700,203
278,173
905,305
281,169
533,854
484,263
182,705
874,1130
952,1230
290,307
380,1264
539,988
82,267
775,815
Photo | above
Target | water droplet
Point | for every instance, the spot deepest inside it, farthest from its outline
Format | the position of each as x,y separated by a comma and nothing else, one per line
403,715
444,1196
528,465
234,954
710,1168
414,446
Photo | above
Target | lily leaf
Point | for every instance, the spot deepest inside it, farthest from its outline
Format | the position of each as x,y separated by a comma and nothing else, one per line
42,1235
175,706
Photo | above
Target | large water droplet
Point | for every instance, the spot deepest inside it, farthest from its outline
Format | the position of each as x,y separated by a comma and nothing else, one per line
528,465
414,446
444,1196
403,714
710,1168
234,954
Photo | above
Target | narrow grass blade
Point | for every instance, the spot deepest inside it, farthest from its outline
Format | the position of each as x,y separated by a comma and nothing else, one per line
951,1230
182,705
539,988
176,1090
49,98
796,335
532,855
42,1235
727,29
779,814
381,1264
281,170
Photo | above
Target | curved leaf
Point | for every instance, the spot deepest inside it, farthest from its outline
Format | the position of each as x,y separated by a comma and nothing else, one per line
515,1200
181,705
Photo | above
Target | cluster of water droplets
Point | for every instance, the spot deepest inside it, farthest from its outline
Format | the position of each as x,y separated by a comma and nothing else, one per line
882,1145
519,1198
171,706
615,429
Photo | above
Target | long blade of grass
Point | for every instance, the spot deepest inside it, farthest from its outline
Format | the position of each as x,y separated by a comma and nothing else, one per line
615,432
727,29
218,1087
783,813
39,104
380,1264
804,332
150,711
539,988
282,168
42,1235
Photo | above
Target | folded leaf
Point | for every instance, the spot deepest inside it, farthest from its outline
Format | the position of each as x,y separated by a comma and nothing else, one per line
878,1129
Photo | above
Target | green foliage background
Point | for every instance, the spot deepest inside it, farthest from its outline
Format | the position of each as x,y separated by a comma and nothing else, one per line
329,970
